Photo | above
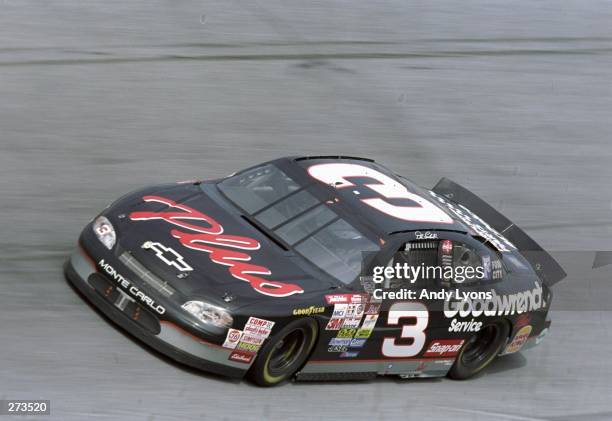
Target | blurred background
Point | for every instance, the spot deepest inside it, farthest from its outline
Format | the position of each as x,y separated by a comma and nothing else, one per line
510,99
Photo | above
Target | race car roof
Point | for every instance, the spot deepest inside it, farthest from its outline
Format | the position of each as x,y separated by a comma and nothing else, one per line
368,194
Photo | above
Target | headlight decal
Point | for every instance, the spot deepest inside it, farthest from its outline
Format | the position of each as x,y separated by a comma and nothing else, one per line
208,313
105,231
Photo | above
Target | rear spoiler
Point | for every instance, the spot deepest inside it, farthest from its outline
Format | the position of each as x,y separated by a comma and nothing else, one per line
547,268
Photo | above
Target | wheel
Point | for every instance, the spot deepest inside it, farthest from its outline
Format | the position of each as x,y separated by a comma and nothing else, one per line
284,353
480,350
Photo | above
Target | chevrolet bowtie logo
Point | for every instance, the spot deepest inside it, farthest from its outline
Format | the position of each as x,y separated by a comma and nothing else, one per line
168,255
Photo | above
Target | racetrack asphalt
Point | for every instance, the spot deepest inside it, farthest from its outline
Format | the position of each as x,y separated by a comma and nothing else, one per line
510,99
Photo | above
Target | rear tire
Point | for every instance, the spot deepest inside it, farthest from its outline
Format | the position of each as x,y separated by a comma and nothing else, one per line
284,353
480,350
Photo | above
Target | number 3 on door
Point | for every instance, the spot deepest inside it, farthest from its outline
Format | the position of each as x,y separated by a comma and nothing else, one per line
415,330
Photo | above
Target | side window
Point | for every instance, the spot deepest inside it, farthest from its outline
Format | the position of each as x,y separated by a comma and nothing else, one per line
415,262
470,263
447,261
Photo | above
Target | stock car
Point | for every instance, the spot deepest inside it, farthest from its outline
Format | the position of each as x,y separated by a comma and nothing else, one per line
270,274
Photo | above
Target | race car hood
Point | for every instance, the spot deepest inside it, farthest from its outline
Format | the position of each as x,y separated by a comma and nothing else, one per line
190,237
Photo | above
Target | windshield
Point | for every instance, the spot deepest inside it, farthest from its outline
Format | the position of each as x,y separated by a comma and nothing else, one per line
298,218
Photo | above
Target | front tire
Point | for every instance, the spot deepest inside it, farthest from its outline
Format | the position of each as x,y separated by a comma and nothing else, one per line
480,350
284,353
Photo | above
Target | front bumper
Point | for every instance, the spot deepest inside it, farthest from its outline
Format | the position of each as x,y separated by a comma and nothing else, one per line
162,335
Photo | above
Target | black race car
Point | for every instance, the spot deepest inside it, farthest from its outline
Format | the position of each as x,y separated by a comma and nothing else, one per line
290,269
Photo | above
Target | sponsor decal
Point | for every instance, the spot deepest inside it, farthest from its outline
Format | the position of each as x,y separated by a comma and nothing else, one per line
168,255
355,310
339,342
366,329
244,346
336,298
444,348
363,333
334,324
246,343
265,324
354,313
477,224
232,338
346,333
253,339
369,321
308,311
351,323
357,343
519,340
133,290
242,356
340,311
372,308
498,272
339,315
345,298
497,305
465,326
493,269
447,246
349,354
337,348
486,265
258,327
203,233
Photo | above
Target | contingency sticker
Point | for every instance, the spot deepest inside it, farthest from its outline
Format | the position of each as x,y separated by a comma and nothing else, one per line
248,343
519,340
338,315
232,338
349,312
345,298
367,327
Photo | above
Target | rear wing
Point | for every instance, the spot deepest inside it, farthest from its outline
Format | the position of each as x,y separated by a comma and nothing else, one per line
547,268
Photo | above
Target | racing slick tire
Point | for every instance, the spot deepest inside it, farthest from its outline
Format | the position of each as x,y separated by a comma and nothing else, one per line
284,353
480,350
